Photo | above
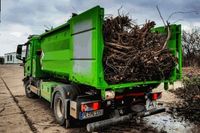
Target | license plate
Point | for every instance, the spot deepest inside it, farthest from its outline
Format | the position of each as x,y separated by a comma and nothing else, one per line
91,114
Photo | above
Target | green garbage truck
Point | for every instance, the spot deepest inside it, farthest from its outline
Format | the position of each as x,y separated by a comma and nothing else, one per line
65,67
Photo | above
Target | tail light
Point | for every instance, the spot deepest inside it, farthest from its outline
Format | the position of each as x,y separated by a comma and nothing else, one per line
92,106
155,96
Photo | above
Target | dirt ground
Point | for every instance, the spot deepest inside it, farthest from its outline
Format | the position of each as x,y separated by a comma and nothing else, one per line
20,114
191,71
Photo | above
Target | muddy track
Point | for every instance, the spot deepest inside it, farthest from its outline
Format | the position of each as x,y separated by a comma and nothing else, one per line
30,123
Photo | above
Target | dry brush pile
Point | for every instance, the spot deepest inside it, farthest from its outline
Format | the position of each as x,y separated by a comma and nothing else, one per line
134,53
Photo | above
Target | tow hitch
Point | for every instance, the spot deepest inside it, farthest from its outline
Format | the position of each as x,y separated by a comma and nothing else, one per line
116,120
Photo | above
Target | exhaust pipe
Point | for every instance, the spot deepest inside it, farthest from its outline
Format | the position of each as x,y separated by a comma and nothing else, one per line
117,120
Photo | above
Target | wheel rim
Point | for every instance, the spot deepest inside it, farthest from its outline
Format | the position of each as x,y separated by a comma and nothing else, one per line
59,108
28,89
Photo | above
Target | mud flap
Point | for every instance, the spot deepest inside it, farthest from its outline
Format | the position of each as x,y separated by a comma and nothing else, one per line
67,106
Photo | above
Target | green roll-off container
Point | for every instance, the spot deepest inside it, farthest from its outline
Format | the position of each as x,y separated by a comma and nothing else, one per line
74,51
65,67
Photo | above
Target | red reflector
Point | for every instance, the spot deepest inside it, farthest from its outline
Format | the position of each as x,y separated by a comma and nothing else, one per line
83,107
155,96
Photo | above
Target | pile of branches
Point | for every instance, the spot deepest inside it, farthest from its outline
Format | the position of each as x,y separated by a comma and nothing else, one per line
134,53
190,94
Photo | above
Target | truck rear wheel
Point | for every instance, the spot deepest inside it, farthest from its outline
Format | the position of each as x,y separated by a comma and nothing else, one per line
59,108
60,111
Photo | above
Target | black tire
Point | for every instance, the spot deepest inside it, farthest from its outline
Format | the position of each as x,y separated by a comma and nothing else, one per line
59,108
68,92
28,92
68,123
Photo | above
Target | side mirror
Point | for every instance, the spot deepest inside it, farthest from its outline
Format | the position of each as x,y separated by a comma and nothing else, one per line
19,52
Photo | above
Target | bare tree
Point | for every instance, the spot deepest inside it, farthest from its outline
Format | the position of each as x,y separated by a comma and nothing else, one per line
191,47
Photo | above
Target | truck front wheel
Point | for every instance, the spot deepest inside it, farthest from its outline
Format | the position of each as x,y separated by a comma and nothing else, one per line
59,108
28,91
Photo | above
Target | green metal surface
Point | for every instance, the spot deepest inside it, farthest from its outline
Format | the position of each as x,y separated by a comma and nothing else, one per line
28,60
46,89
56,51
90,66
36,65
75,50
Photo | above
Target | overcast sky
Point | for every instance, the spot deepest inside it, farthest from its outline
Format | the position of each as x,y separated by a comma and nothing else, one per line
20,18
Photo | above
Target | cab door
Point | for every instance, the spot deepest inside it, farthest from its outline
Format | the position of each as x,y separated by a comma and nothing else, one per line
28,61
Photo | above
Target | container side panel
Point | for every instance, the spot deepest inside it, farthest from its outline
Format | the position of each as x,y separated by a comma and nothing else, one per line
57,61
56,52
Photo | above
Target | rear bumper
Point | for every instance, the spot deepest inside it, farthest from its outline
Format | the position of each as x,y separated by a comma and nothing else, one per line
116,120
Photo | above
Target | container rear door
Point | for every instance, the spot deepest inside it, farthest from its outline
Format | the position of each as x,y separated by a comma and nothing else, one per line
85,29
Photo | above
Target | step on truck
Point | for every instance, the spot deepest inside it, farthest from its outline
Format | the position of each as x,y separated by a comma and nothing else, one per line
64,66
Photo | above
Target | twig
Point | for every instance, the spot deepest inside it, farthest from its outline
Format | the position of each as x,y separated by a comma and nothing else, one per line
168,36
160,15
181,12
119,10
